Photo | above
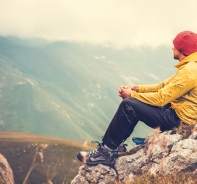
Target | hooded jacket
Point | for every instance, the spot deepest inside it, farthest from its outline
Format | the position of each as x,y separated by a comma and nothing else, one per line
180,90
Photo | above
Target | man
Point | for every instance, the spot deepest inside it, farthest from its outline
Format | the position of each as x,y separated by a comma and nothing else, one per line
165,105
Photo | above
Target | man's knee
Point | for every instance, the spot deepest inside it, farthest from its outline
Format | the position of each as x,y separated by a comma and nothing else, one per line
135,105
130,102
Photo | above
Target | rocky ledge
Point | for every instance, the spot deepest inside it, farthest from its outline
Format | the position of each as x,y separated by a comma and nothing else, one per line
173,151
6,174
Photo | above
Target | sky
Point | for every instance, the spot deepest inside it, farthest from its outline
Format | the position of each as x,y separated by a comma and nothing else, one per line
110,22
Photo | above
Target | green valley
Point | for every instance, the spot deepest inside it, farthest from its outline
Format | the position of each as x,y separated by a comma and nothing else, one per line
70,90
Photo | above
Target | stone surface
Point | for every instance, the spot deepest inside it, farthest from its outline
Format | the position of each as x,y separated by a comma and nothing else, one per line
99,174
6,174
161,154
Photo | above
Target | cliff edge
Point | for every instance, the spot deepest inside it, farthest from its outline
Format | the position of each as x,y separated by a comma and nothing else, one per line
162,154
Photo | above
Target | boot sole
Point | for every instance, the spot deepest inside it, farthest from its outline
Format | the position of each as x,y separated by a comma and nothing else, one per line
81,159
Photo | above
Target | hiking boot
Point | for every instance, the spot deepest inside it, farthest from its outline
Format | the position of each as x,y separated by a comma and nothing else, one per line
138,140
101,155
122,148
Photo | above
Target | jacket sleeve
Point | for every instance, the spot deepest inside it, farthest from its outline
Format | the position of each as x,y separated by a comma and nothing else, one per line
167,91
153,87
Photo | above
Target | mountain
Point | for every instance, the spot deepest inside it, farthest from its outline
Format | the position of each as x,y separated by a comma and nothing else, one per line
68,89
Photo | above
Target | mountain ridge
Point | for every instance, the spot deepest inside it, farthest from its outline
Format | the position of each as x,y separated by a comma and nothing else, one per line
37,138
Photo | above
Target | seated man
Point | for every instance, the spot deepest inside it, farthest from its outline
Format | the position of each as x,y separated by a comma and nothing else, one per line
165,105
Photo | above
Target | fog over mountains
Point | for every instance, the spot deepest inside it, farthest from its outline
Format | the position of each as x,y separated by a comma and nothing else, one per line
70,90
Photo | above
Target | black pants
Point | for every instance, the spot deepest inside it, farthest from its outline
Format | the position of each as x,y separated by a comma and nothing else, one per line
130,112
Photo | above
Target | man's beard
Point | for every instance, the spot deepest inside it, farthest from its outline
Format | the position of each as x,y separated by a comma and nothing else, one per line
176,57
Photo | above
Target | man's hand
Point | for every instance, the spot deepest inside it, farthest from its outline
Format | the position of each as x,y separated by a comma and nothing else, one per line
125,91
134,88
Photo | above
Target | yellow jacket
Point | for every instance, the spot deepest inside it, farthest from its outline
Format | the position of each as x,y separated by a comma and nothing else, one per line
180,90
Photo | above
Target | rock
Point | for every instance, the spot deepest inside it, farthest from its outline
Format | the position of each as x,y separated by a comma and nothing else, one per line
129,166
95,175
6,174
183,157
161,154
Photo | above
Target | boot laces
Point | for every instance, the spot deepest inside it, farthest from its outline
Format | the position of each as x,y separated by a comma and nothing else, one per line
97,150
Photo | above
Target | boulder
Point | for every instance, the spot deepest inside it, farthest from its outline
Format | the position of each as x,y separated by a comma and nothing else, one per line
6,174
99,174
162,153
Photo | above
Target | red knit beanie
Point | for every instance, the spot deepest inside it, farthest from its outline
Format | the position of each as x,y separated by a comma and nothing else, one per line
186,42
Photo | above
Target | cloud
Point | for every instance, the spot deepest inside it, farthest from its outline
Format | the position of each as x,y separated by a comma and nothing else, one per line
152,76
117,22
129,79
